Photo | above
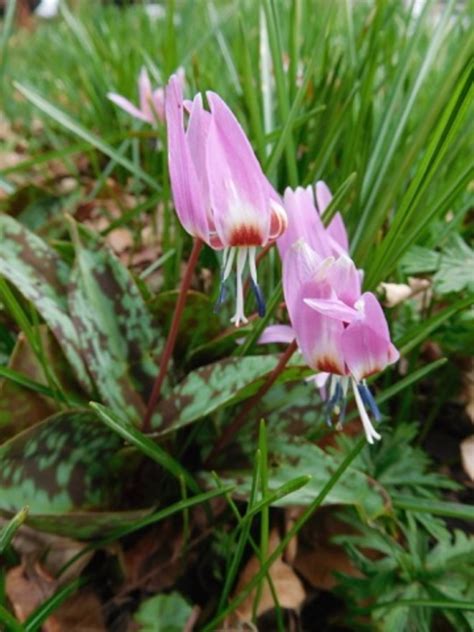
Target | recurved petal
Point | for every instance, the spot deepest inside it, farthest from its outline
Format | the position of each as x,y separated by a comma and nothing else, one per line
181,74
159,103
279,220
187,192
300,265
303,222
323,196
277,333
336,228
197,135
145,93
372,312
345,279
128,106
333,308
366,341
338,234
238,189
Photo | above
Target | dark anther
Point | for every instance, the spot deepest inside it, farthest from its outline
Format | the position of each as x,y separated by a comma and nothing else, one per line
259,298
369,401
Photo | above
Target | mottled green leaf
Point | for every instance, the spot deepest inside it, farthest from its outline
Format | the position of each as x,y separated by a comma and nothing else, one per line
32,205
163,613
41,276
293,408
21,407
115,329
7,342
87,525
220,384
146,445
297,455
72,473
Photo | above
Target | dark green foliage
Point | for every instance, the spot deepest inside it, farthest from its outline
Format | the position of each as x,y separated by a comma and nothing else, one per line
368,97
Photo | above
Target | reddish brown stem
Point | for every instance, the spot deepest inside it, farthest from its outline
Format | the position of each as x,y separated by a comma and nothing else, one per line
243,416
172,334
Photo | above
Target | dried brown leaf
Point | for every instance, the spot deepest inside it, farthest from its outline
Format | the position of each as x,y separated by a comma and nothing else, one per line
26,589
318,558
287,585
53,551
80,613
154,562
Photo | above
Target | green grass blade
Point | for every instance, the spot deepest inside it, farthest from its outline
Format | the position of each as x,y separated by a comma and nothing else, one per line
260,325
244,527
339,195
7,533
298,525
421,603
145,445
417,334
290,120
447,128
153,518
250,93
388,138
47,608
32,385
11,624
7,30
75,128
274,39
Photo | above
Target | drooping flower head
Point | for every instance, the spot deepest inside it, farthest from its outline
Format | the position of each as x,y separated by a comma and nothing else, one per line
151,101
220,192
340,331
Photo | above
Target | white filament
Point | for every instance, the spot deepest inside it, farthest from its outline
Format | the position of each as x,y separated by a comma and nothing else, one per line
229,255
239,316
252,265
227,264
370,432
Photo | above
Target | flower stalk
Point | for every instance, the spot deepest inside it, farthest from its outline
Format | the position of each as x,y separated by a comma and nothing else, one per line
173,334
244,414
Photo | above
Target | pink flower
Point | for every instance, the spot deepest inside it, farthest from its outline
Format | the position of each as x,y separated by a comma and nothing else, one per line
220,192
340,331
151,102
304,222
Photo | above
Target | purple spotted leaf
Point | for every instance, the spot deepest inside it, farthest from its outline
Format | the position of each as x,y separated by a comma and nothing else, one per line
218,385
74,475
293,408
291,453
117,337
38,273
